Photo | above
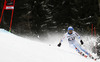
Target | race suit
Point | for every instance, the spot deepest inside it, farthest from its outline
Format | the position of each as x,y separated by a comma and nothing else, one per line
73,42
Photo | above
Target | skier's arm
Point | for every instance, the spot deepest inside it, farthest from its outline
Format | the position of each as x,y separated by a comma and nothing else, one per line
78,36
61,41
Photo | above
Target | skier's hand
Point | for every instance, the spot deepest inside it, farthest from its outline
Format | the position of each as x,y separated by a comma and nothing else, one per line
59,45
81,42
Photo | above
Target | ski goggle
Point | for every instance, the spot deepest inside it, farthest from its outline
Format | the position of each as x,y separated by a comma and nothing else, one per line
70,31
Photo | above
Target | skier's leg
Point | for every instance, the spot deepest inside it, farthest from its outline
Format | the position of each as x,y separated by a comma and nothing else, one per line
76,48
81,48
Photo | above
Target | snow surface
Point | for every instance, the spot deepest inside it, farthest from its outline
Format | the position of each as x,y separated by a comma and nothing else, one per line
14,48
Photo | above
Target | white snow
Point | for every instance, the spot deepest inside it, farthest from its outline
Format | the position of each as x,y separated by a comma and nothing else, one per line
14,48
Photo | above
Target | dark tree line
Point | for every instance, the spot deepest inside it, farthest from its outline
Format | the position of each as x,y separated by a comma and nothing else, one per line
41,16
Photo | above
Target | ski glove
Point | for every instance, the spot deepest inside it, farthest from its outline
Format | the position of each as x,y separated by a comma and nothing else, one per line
81,42
59,45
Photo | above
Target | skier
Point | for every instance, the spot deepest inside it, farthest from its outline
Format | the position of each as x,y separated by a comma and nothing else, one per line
70,36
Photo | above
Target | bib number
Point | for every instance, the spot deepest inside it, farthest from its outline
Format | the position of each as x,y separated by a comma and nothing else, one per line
71,38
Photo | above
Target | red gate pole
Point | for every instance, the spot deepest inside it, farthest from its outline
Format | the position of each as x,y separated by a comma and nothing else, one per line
96,42
11,20
12,15
95,31
92,30
1,15
3,10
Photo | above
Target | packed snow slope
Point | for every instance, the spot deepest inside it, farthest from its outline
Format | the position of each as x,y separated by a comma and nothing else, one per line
18,49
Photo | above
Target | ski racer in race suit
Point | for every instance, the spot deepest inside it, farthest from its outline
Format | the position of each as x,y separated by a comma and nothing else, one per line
70,36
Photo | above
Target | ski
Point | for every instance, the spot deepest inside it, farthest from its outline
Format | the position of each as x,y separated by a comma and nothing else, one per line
96,59
91,57
83,54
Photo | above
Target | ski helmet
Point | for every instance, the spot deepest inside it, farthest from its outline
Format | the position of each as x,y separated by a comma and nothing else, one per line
70,28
